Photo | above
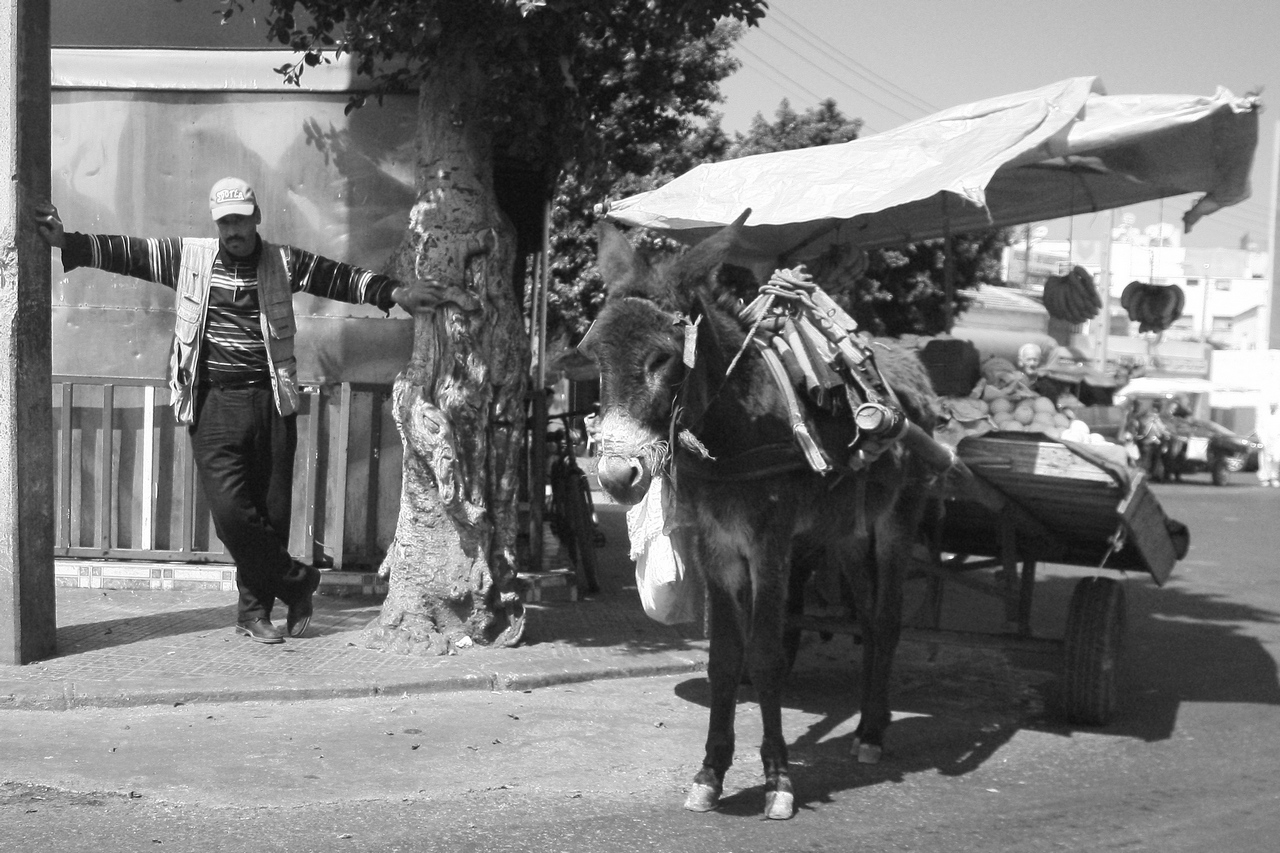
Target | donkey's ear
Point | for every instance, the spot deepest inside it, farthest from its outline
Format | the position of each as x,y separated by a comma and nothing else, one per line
620,266
699,264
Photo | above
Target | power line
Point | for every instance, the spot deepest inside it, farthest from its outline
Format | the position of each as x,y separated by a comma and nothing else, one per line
816,98
838,80
852,65
1226,231
1233,217
1228,220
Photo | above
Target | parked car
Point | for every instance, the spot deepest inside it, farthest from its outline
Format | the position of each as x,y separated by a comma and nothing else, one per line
1207,446
1200,445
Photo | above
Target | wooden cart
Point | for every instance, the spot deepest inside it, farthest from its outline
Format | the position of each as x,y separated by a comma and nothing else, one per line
1021,500
1030,500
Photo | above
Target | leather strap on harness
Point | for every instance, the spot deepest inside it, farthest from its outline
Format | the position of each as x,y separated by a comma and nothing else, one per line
805,341
808,341
813,452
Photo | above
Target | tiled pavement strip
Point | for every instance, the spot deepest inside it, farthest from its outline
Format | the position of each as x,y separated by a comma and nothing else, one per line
121,647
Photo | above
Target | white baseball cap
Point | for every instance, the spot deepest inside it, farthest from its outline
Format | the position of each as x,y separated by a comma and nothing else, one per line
231,195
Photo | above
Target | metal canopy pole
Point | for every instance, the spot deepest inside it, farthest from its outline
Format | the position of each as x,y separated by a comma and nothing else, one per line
1104,276
1270,337
948,270
538,399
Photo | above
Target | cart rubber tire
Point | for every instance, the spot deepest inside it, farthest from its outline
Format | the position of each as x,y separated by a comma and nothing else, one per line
1220,472
1092,647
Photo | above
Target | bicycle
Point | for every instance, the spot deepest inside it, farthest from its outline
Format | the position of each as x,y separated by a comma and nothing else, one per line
570,510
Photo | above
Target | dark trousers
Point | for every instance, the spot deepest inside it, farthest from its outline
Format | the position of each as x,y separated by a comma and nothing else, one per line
244,455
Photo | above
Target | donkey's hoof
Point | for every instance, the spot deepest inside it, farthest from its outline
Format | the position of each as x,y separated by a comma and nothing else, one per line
867,753
779,805
702,798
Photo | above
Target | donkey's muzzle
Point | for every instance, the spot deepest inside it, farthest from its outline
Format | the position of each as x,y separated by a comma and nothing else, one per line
625,478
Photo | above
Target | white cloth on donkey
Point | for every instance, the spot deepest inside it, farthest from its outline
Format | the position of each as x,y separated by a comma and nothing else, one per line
668,591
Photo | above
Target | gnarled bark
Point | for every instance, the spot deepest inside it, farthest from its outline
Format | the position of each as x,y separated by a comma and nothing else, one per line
459,403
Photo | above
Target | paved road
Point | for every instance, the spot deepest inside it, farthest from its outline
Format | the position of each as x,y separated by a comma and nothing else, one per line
1192,762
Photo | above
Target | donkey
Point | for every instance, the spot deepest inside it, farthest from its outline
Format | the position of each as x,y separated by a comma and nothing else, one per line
750,504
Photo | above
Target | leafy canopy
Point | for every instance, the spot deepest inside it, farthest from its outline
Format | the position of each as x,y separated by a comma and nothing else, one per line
564,75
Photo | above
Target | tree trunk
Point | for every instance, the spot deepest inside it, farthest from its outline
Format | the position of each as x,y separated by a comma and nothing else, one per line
459,403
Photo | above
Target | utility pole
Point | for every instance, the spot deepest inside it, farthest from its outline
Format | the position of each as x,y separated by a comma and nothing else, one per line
27,623
1270,332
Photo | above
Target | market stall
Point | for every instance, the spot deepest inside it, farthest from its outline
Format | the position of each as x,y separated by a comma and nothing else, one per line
1032,481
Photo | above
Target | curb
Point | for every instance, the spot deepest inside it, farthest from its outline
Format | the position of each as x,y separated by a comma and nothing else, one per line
69,695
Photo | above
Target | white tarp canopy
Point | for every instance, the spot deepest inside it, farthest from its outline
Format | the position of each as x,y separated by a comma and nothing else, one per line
1056,151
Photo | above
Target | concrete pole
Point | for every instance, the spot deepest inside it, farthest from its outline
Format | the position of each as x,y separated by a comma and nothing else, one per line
27,624
1270,336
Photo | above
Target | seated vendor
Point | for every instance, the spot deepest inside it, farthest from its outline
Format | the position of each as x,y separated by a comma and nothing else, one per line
1029,356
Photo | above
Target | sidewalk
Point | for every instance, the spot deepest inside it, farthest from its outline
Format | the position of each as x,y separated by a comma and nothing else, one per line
120,648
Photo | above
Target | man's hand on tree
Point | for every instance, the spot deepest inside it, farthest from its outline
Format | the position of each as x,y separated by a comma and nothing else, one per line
419,296
49,224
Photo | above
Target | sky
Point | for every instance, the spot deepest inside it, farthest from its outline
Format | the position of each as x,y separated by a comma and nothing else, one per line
893,62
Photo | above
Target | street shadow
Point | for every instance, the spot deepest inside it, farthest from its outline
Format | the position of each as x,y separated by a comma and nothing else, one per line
122,631
333,615
1180,647
953,712
949,717
600,623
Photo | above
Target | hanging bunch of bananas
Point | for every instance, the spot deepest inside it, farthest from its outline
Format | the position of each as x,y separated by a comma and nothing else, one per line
1154,307
1072,297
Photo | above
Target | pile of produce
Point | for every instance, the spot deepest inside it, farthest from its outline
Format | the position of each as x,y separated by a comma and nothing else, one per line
1154,307
1033,414
1003,401
965,416
1072,297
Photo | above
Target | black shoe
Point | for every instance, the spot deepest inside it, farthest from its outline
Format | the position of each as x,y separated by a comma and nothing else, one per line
300,611
260,630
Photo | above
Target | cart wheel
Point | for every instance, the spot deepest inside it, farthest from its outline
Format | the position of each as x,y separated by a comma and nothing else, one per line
1094,639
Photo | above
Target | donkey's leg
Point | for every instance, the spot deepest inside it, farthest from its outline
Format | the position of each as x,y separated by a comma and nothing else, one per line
859,563
882,628
767,660
724,672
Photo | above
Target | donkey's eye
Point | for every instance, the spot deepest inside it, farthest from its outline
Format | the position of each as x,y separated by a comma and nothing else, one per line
658,362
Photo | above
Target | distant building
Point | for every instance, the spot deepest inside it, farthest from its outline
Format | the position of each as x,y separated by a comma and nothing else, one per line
1228,291
1222,335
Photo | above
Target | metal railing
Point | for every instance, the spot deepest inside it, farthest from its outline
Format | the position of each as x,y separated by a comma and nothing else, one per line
126,485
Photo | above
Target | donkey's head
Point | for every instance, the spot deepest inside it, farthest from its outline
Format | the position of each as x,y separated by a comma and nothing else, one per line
639,342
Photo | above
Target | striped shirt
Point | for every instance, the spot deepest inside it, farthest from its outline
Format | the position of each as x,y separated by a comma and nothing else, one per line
233,349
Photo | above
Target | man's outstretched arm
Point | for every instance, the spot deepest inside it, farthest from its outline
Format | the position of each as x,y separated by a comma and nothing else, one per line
331,279
154,260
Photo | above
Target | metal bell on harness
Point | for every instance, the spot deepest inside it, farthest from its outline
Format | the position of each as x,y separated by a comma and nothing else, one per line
878,421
